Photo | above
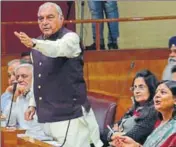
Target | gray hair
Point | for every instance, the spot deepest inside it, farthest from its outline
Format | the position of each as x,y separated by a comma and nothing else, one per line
13,61
47,4
26,65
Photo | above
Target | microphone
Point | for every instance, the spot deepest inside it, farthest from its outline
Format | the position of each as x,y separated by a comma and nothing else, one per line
13,94
14,87
132,65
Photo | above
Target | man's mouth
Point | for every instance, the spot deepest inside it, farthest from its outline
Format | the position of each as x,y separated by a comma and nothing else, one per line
46,29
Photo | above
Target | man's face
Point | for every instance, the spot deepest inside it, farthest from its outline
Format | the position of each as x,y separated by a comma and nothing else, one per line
24,77
49,20
173,52
11,72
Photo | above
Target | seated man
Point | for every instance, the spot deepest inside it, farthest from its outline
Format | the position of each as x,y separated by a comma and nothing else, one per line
24,78
171,59
7,95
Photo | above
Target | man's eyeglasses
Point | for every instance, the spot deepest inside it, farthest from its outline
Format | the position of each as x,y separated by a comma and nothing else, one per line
140,88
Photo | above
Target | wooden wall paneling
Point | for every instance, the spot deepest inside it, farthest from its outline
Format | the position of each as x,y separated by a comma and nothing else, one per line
113,77
4,77
86,74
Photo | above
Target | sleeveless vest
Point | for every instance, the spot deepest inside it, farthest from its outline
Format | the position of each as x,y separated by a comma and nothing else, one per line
59,86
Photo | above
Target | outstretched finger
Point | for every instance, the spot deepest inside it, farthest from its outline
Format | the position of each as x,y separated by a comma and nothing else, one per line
17,34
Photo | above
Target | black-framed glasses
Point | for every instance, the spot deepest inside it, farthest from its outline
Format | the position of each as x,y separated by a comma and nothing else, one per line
140,88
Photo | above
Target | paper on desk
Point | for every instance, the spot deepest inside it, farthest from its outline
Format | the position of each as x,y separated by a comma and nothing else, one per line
54,143
3,123
38,137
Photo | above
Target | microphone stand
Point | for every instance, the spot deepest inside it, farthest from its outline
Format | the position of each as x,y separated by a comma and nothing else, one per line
13,94
69,4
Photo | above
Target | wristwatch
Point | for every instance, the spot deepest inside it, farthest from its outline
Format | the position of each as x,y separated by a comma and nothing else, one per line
34,41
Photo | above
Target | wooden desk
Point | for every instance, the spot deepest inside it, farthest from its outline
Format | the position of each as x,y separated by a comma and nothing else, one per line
31,142
9,137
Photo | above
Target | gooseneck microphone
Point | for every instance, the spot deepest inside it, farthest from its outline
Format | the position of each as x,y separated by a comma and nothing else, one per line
127,76
10,110
132,65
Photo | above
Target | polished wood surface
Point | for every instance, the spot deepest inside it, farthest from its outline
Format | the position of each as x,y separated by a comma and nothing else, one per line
9,136
122,19
9,139
31,142
110,73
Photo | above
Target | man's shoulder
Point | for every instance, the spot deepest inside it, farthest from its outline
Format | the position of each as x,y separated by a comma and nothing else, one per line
6,95
69,31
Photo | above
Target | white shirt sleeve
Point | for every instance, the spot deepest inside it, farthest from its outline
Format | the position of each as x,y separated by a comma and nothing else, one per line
31,95
68,46
32,100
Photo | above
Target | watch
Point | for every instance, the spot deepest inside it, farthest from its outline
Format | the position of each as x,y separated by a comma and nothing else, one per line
34,41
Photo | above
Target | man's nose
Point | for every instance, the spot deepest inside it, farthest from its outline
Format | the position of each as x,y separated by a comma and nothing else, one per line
45,21
20,79
172,54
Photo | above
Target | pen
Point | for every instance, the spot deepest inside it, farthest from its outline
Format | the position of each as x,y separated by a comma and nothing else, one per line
112,131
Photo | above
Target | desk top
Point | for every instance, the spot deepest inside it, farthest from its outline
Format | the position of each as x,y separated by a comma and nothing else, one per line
9,136
31,142
17,131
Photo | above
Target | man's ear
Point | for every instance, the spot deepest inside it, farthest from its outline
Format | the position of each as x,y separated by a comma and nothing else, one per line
61,17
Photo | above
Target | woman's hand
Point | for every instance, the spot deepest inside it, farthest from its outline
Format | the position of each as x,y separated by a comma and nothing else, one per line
123,141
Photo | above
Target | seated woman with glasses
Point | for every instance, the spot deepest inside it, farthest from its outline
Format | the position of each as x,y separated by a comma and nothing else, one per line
139,121
164,134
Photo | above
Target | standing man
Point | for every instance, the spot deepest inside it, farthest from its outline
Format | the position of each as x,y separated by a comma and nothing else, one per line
167,75
110,9
59,87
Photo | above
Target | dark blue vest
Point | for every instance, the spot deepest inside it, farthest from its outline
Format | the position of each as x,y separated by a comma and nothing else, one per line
59,86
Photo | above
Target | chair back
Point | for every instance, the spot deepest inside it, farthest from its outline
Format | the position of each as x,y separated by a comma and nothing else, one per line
105,114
